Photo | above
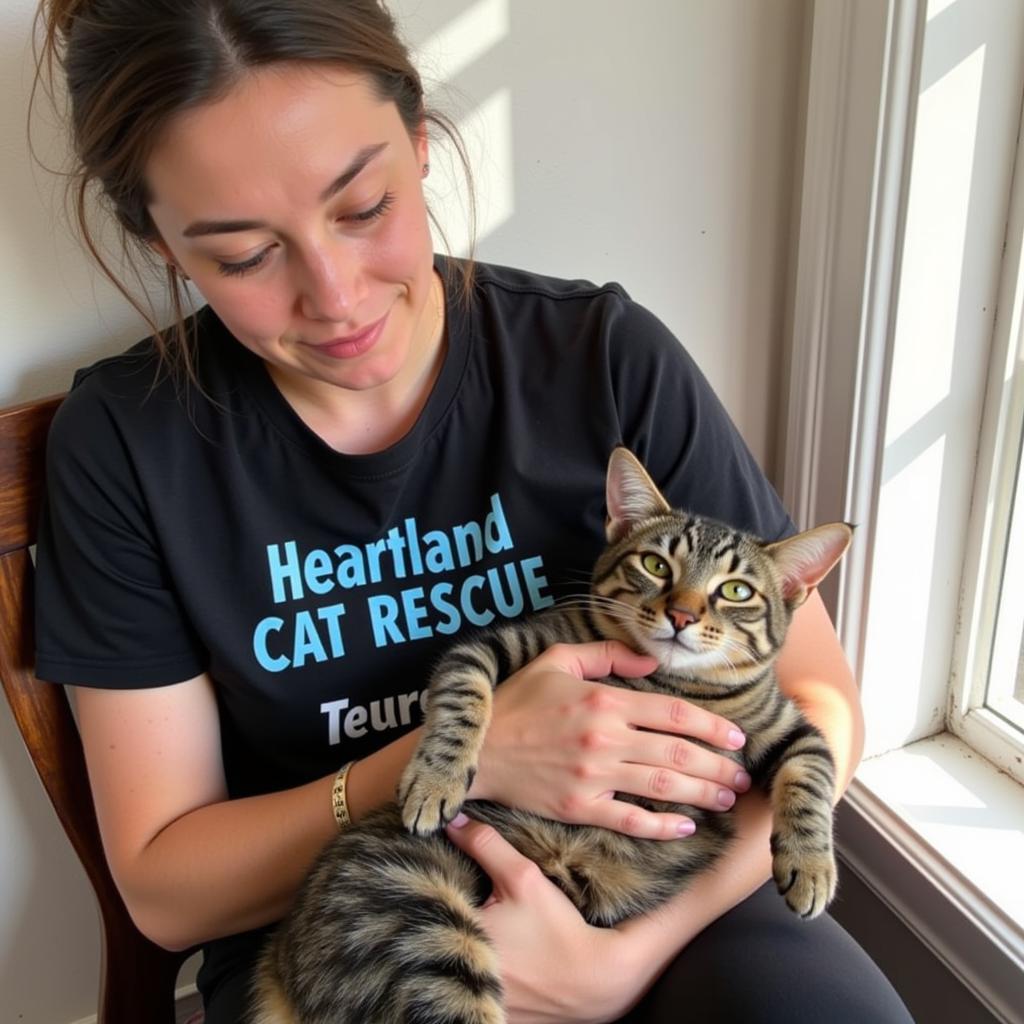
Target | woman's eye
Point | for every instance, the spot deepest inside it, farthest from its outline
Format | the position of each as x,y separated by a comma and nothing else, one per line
238,269
361,217
375,211
736,590
656,566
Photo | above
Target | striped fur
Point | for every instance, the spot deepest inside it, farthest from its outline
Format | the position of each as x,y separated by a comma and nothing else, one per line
385,931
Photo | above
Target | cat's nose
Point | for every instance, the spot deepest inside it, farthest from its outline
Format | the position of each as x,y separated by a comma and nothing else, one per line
681,617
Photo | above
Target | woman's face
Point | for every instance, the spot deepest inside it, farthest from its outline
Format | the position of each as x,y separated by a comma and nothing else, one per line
295,205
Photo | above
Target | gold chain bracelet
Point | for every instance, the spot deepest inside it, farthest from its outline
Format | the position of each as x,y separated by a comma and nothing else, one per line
339,799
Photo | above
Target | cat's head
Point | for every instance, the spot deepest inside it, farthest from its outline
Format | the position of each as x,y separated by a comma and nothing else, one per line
707,601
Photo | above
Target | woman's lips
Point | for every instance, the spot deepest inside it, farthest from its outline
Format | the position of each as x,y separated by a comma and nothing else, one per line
353,344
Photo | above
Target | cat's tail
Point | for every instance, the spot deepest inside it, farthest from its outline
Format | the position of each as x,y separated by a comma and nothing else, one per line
270,1005
390,935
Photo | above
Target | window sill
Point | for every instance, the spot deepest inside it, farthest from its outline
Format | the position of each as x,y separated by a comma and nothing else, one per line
938,834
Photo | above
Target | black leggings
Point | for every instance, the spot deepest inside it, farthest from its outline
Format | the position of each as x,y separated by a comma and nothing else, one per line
758,964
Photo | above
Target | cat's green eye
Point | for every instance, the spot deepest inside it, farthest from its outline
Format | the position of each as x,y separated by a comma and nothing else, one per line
736,590
657,566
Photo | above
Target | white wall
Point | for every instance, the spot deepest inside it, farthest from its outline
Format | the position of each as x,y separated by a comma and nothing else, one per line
656,147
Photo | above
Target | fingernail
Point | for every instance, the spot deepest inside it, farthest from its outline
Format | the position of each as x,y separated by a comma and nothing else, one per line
742,782
459,820
686,828
726,798
736,738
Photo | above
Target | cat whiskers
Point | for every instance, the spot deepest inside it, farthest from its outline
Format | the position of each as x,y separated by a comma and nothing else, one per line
620,611
729,646
580,576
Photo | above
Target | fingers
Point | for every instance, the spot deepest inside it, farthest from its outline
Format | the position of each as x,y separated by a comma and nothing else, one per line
599,659
693,788
647,710
631,820
675,715
511,872
680,771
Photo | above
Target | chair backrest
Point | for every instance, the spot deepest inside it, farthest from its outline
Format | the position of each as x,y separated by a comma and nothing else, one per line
136,976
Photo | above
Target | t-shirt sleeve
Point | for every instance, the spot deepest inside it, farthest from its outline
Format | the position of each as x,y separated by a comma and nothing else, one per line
106,612
672,420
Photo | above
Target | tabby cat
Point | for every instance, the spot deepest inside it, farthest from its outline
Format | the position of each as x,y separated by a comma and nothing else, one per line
385,929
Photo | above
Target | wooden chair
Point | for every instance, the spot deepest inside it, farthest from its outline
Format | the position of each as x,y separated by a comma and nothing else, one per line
137,977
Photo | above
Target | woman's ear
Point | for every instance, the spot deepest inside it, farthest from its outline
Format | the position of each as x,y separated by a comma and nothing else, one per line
160,247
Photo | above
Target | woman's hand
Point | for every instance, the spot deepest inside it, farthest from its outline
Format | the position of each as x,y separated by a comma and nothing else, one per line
561,745
555,967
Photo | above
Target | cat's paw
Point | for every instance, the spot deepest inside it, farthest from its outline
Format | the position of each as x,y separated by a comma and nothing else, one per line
430,798
807,880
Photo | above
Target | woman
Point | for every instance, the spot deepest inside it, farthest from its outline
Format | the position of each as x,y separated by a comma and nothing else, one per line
264,523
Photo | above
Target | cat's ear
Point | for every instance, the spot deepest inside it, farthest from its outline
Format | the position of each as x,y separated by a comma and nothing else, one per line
630,493
807,558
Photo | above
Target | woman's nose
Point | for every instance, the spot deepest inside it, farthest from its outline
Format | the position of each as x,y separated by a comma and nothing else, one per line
329,289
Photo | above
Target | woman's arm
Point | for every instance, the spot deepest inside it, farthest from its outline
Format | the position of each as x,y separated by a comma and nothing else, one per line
193,865
813,670
190,863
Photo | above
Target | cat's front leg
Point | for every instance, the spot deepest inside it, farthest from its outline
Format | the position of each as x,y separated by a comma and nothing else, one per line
803,858
436,781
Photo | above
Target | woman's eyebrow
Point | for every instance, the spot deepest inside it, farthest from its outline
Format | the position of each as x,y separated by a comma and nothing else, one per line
363,157
223,227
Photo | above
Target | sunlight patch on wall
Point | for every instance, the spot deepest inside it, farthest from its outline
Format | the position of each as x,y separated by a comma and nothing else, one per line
936,7
488,135
486,131
464,39
930,282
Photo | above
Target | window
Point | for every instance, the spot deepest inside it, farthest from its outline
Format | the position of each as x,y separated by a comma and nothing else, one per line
905,415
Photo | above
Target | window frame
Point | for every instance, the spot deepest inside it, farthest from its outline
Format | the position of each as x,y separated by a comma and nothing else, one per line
998,496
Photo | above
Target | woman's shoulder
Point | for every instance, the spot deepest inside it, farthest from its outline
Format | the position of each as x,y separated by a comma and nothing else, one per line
130,392
141,370
499,279
562,308
567,311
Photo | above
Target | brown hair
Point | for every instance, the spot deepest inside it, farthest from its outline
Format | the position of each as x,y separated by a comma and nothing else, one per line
132,65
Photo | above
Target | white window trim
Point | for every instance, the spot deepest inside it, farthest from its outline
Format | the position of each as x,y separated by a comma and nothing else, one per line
969,717
864,63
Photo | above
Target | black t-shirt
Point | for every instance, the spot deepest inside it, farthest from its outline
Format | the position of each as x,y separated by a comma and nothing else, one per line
188,532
